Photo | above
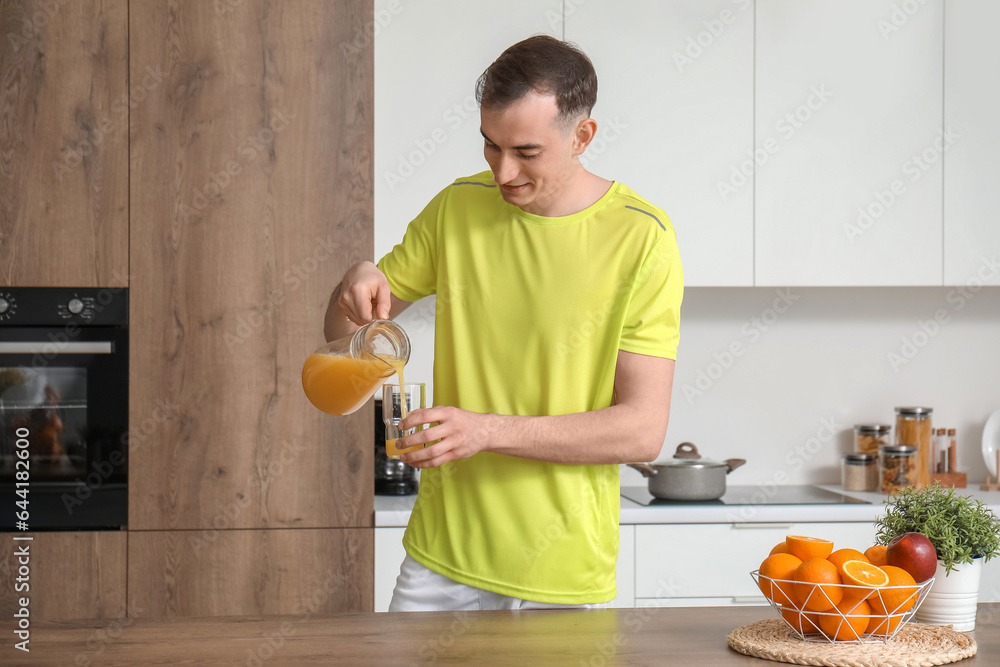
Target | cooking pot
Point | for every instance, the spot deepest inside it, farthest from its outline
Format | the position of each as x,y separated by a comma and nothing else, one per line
688,476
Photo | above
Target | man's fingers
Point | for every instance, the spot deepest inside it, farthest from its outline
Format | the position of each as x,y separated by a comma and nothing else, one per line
383,300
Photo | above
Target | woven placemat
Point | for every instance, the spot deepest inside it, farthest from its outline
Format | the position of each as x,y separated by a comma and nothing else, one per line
915,645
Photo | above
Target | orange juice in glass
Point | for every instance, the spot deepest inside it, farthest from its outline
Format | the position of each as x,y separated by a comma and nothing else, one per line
340,377
398,400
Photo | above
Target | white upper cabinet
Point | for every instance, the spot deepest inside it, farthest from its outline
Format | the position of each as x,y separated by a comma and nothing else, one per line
848,120
428,57
972,164
675,119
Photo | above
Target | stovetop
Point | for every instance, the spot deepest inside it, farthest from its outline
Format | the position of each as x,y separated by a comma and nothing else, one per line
751,495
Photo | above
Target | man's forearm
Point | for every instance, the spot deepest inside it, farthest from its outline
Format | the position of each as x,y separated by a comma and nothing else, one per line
617,434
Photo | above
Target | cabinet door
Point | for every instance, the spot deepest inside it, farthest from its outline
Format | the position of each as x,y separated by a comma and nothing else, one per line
972,168
848,113
65,100
427,61
675,120
72,575
251,196
711,561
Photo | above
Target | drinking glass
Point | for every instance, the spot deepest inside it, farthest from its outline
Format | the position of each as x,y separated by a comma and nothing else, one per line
393,412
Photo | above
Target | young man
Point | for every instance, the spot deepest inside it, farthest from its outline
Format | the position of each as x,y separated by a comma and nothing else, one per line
558,302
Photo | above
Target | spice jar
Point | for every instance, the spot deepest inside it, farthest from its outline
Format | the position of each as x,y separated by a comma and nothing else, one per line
913,427
897,467
859,472
868,437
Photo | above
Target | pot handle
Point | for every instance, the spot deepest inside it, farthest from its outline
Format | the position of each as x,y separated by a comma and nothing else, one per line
686,450
646,469
733,464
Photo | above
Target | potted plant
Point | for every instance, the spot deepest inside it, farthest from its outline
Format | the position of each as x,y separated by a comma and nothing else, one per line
965,533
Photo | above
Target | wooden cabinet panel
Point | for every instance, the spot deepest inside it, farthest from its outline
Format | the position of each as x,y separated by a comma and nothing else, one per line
251,194
250,572
72,576
64,143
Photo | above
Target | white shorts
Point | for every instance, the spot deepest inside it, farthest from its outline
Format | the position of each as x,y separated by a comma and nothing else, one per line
421,589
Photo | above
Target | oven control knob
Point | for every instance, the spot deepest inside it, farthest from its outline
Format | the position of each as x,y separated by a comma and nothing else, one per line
75,306
4,305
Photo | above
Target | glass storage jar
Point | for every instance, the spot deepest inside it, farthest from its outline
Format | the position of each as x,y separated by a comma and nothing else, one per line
897,467
868,437
859,472
913,427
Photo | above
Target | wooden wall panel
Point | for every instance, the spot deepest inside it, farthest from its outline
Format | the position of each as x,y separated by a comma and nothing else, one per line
64,105
250,572
251,194
72,576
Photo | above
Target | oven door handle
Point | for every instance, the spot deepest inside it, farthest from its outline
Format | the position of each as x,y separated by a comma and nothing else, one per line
49,348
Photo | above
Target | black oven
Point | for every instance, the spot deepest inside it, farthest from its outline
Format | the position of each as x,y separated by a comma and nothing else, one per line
63,408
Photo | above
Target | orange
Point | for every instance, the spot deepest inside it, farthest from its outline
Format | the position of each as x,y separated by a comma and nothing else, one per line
818,585
876,554
801,621
897,596
861,578
780,548
853,624
808,547
779,566
840,556
884,625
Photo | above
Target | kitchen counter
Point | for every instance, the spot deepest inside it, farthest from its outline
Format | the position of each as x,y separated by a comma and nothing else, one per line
670,635
395,510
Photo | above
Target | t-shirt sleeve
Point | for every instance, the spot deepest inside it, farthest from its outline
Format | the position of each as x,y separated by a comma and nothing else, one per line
411,266
652,322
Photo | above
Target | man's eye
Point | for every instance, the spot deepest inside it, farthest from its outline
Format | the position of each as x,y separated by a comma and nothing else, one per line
529,156
492,147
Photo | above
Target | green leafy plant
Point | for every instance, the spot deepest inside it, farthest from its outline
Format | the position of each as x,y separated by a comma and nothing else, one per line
960,528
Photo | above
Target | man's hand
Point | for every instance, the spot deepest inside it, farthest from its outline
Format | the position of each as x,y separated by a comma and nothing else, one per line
364,294
459,434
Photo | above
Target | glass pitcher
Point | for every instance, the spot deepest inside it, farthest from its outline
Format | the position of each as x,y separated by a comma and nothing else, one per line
342,375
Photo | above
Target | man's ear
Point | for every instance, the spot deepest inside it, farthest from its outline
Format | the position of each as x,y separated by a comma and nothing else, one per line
583,134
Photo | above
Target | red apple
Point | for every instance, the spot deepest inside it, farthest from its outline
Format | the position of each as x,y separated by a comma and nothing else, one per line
914,553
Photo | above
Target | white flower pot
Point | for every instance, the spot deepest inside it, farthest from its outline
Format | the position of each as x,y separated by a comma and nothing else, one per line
952,599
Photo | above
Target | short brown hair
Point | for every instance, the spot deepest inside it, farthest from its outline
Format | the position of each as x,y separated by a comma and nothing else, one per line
542,64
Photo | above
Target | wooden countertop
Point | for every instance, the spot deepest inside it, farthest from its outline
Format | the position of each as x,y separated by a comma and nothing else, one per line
643,636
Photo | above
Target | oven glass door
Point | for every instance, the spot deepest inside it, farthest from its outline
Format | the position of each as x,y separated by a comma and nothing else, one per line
66,403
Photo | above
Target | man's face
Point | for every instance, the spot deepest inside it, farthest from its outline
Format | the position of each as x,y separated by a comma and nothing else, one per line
530,152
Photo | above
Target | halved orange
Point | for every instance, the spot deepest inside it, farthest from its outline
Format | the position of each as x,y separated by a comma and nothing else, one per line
897,596
876,554
861,578
806,548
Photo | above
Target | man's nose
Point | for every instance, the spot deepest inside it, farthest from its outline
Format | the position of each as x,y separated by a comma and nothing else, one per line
506,169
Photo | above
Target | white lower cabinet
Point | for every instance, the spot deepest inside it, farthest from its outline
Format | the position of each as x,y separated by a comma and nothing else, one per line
710,564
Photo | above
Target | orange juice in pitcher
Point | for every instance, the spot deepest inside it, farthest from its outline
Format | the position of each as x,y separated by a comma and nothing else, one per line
341,376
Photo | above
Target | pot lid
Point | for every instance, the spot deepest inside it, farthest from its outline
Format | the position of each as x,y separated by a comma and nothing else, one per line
687,456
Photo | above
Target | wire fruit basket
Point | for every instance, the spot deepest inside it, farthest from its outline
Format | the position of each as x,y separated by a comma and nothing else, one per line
875,627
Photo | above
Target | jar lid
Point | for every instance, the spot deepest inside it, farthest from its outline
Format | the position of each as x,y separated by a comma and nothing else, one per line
859,458
951,431
872,429
914,411
898,449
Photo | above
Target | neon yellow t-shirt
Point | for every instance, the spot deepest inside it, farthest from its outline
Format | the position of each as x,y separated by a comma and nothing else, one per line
531,313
